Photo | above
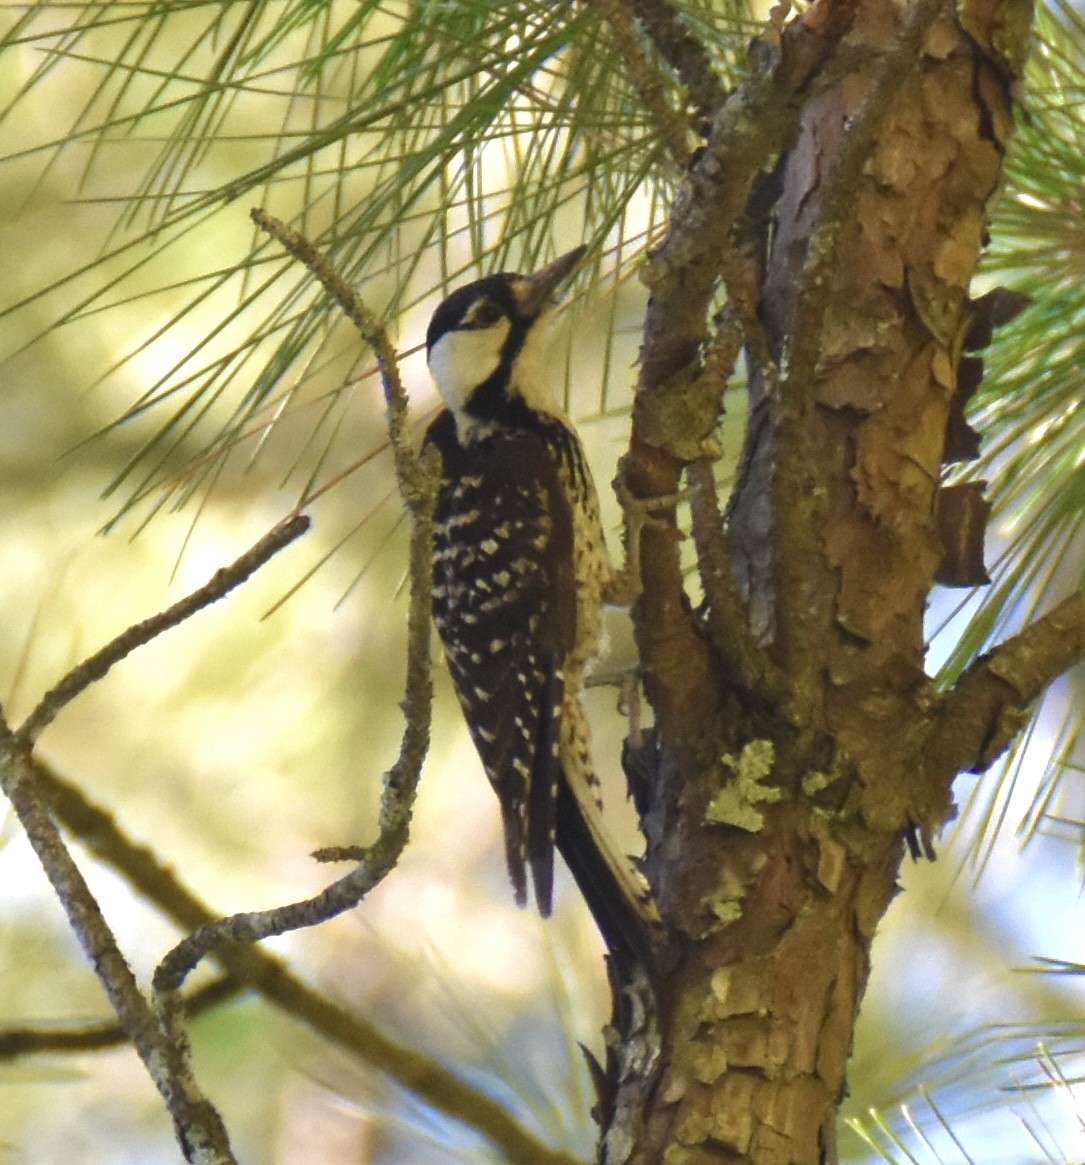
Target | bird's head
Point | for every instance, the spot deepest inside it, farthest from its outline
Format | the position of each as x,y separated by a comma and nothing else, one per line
486,343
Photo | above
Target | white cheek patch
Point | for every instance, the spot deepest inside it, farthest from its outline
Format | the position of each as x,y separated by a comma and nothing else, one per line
461,360
533,381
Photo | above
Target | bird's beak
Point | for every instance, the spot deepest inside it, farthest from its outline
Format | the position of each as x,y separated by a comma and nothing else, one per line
534,293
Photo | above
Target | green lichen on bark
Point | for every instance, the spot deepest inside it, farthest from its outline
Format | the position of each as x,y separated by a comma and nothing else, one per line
744,789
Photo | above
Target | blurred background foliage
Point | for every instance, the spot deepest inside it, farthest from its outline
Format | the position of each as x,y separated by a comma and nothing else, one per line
169,377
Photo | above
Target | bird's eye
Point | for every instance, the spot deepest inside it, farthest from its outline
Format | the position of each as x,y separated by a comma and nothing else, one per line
483,314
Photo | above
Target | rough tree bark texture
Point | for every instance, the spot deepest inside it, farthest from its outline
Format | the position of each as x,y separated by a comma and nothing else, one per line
799,741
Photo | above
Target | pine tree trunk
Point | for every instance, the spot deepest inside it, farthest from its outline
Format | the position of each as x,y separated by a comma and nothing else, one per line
792,757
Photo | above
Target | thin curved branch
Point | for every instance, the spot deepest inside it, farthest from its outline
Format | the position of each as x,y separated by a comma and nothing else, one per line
95,667
409,471
432,1083
401,781
197,1124
397,801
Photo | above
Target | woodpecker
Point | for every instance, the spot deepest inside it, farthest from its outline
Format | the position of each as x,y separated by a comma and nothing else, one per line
520,572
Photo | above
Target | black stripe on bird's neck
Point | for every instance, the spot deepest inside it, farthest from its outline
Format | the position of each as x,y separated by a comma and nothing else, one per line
494,401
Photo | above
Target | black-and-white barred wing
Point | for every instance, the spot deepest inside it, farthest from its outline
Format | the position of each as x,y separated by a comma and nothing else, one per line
505,606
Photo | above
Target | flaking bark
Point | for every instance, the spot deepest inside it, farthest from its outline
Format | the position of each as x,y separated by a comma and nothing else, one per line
777,792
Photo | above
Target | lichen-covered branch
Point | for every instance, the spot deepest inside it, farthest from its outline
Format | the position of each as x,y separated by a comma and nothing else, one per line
199,1128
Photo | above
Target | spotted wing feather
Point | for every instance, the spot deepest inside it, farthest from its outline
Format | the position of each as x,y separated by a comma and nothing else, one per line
505,607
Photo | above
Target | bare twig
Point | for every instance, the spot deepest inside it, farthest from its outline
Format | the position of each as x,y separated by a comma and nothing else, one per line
102,1035
408,470
224,580
199,1127
427,1079
397,802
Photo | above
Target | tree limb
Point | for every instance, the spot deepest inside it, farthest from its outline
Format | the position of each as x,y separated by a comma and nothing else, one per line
741,655
683,276
683,52
985,708
751,129
644,77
